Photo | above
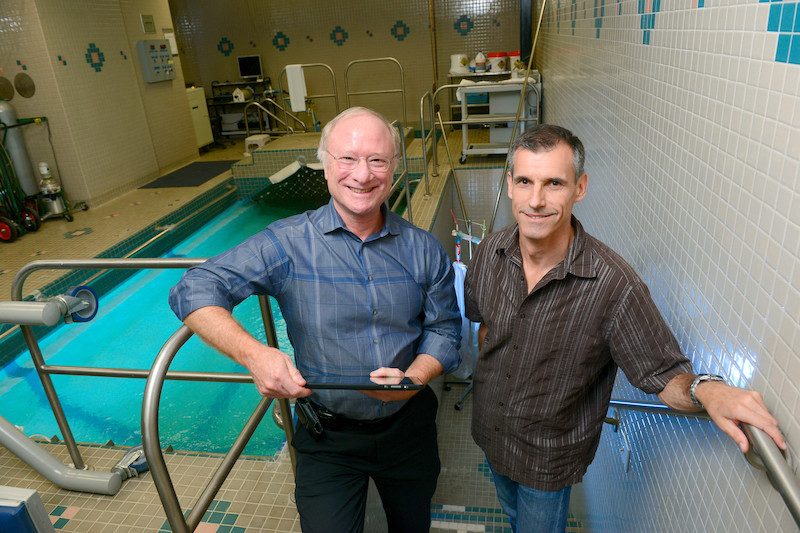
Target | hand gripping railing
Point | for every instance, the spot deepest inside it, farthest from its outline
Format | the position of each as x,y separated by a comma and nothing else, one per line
763,454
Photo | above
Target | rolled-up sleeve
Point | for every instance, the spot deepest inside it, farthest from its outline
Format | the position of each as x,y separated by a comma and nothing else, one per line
441,327
256,266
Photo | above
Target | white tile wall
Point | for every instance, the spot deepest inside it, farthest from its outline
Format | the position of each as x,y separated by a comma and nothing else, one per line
252,26
110,131
692,155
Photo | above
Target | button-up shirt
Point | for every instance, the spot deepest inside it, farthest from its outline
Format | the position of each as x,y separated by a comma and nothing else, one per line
546,369
350,306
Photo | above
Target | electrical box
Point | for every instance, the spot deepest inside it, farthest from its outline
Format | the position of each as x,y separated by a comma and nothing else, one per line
156,58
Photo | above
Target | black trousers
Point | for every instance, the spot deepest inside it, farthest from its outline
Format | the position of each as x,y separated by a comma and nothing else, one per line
403,459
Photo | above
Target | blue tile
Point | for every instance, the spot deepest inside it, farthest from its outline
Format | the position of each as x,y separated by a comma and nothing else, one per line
774,17
794,50
58,511
223,506
782,55
60,523
787,17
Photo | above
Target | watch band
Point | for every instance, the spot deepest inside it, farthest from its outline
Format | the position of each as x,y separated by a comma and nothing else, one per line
700,378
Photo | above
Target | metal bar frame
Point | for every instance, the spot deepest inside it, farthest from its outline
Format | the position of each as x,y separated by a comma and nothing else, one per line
45,371
334,94
401,90
403,178
261,110
764,453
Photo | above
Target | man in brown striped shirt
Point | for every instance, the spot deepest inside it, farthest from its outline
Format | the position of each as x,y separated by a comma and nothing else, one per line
559,312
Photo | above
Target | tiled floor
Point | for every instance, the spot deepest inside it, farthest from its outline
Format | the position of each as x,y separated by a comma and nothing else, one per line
257,497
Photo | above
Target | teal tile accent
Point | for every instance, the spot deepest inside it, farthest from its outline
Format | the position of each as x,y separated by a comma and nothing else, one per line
58,511
60,523
95,57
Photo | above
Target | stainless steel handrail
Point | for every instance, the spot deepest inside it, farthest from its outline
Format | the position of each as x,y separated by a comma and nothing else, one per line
401,90
261,111
33,346
153,387
436,118
773,460
162,231
334,94
403,178
152,446
424,138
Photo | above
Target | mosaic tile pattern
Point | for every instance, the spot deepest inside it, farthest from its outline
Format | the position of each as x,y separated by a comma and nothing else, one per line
694,177
106,129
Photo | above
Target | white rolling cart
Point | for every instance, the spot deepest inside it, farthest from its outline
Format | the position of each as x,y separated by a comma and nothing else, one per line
503,102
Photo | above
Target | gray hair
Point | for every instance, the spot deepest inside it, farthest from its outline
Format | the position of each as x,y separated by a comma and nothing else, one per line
351,112
545,137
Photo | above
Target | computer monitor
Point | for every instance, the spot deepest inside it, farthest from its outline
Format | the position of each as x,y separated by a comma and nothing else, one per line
250,67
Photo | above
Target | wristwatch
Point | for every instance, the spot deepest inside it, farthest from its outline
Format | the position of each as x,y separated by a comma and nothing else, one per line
700,378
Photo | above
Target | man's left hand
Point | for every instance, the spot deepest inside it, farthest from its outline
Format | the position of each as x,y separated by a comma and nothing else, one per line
729,406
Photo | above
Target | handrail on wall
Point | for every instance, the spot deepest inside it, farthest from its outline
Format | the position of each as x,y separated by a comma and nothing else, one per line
764,453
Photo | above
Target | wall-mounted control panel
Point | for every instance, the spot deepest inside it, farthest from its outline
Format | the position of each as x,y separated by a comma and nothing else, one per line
156,58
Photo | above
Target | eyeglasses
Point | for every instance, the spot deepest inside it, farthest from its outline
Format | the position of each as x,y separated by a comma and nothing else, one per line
349,162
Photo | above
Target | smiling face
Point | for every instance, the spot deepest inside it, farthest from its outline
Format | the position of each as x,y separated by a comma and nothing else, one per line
359,192
543,190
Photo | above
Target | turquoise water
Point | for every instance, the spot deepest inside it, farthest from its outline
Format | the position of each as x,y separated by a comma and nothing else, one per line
131,326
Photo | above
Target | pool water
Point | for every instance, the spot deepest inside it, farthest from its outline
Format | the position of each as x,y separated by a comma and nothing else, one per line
131,326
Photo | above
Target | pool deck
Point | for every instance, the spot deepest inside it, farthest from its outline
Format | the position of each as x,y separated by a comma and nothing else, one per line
257,495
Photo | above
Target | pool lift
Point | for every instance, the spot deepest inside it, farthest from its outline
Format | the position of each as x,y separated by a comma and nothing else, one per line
79,305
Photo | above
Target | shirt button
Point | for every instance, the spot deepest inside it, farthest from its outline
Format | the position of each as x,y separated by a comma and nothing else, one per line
508,376
369,278
522,315
374,311
374,341
496,428
501,404
516,347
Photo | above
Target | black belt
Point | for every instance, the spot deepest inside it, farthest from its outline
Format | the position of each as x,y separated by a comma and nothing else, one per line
335,421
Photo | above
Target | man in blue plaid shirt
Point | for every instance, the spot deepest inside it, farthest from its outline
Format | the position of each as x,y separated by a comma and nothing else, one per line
363,292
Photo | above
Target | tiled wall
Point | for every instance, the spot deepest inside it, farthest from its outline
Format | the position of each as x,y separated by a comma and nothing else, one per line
691,119
212,34
110,130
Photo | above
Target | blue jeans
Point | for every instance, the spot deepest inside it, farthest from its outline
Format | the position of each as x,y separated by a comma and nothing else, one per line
530,510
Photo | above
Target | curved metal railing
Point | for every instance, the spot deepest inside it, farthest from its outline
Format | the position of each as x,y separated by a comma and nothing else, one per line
401,90
764,453
152,445
334,95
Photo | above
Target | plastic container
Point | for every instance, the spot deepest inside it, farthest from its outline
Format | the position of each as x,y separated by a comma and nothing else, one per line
480,62
497,61
515,65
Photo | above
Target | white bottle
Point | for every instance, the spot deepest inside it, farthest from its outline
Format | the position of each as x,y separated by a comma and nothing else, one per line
48,184
480,62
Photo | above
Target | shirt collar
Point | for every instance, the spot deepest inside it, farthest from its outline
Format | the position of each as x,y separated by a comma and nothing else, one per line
579,259
328,219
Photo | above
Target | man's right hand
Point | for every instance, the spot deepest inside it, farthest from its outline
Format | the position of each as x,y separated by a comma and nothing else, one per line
274,374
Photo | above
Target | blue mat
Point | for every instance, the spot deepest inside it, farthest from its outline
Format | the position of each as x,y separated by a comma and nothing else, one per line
191,175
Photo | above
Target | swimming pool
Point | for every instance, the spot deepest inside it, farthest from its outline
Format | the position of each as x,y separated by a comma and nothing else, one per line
133,322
